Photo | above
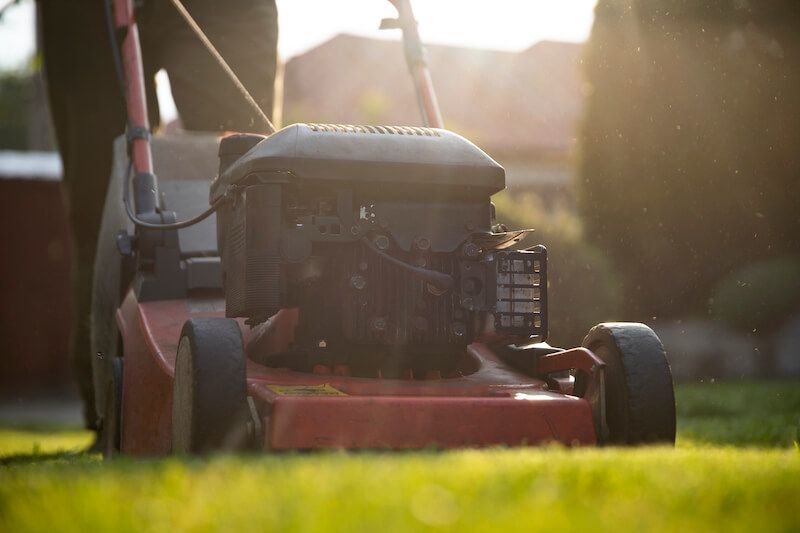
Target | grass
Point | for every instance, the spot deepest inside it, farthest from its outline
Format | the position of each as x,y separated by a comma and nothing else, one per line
765,414
35,443
721,476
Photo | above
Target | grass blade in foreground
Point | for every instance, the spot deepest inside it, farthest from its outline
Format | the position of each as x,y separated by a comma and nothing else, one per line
698,486
488,490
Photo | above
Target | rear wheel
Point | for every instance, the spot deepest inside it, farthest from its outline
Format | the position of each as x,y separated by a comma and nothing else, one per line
640,403
209,398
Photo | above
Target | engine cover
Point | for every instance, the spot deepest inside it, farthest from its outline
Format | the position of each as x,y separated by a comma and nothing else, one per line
382,237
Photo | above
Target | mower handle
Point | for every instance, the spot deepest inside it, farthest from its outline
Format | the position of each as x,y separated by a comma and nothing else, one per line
417,65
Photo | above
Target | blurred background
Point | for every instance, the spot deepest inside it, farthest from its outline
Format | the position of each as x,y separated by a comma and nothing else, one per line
651,143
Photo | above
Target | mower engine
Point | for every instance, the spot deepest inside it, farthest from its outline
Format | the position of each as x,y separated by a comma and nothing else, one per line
381,237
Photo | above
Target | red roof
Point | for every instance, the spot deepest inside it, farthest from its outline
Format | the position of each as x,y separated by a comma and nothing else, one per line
503,101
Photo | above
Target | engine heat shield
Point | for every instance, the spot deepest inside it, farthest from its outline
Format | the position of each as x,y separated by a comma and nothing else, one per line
373,156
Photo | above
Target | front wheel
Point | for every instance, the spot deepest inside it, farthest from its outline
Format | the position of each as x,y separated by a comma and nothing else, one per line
640,402
209,395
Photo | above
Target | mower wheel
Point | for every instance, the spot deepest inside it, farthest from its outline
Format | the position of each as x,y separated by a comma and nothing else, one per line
640,402
209,395
112,417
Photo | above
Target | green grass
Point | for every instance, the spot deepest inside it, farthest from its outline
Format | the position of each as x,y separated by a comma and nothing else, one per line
33,444
720,477
765,414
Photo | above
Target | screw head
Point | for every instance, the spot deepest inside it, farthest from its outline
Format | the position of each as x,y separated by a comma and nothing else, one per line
358,282
470,250
379,323
381,241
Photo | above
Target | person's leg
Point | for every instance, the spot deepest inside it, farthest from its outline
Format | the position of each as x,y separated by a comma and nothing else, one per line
244,31
88,110
88,113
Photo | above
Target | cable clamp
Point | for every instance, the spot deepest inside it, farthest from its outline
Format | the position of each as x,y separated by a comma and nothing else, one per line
139,132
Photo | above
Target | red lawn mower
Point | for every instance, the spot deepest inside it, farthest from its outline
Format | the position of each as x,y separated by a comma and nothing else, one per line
345,287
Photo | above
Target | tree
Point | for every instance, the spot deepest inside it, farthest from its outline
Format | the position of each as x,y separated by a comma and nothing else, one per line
689,166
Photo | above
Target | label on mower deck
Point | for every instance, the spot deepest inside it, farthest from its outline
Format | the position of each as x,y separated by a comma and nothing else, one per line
323,389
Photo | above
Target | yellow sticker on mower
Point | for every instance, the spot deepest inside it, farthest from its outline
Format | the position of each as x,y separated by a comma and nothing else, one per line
323,389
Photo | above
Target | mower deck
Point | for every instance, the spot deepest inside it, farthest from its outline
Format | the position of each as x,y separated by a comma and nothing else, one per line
492,405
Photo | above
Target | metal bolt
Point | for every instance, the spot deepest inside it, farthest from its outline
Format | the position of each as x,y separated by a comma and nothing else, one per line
381,241
322,343
422,243
358,282
355,230
379,323
470,250
459,329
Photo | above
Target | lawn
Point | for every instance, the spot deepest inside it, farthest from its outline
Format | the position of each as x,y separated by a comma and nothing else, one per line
735,468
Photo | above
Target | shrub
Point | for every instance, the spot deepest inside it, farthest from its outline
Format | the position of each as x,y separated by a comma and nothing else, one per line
758,296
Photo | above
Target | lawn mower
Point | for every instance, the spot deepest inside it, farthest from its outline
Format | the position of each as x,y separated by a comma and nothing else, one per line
346,286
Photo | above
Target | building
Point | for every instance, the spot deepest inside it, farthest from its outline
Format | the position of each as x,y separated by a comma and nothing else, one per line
523,108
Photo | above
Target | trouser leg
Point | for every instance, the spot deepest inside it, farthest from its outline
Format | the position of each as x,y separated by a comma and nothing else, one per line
244,31
88,113
88,110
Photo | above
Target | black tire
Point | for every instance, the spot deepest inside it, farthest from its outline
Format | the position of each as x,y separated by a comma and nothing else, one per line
640,402
209,395
112,413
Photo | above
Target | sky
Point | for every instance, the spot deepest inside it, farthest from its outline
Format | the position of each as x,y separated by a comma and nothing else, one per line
507,25
497,24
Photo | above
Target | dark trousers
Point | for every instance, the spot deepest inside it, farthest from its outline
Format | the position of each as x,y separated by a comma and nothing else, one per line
88,110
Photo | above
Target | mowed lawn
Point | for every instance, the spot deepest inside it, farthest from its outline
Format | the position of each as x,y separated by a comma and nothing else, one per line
736,467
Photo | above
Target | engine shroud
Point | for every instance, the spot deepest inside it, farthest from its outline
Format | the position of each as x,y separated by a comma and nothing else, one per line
382,237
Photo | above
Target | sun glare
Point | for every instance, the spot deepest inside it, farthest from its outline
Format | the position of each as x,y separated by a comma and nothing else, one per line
501,24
